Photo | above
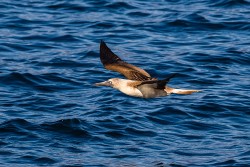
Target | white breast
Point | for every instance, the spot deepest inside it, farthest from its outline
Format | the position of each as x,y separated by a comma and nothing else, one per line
129,90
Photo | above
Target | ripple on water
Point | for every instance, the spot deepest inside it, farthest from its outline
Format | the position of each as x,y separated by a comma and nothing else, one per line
53,115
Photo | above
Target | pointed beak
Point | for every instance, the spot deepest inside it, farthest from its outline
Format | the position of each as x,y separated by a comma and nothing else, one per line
105,83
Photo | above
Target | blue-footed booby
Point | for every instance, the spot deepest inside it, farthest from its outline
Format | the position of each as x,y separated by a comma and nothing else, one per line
138,83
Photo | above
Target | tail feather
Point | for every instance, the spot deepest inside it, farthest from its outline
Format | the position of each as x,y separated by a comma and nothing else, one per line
180,91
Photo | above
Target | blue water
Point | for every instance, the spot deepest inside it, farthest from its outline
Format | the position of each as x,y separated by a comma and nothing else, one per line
52,115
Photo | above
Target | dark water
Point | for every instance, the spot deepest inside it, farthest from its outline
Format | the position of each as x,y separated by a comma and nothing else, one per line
52,115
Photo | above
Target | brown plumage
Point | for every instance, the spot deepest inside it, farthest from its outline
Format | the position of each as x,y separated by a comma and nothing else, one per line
114,63
139,83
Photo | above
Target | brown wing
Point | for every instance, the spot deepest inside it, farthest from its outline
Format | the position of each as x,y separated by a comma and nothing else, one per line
112,62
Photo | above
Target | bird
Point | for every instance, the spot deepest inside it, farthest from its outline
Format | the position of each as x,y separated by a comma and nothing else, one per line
138,82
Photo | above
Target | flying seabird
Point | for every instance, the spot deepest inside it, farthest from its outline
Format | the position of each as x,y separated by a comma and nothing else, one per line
139,83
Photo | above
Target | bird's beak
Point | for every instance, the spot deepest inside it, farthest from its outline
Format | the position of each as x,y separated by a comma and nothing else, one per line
105,83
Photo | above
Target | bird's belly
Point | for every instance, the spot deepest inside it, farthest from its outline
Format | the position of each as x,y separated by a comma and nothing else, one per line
132,92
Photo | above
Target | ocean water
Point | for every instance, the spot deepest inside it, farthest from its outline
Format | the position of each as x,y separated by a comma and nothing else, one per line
52,115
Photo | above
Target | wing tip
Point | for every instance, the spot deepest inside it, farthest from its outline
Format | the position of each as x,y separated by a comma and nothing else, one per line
170,77
102,43
104,48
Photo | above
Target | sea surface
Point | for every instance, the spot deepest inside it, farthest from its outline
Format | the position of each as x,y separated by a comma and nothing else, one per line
51,114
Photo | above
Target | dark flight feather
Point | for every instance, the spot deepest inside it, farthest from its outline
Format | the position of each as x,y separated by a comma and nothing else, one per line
114,63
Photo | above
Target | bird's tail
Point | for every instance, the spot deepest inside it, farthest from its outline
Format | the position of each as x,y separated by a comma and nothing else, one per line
180,91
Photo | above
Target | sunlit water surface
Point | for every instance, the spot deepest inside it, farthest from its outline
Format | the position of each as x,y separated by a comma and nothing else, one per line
52,115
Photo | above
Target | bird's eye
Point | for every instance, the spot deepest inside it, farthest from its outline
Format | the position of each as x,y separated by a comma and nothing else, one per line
110,82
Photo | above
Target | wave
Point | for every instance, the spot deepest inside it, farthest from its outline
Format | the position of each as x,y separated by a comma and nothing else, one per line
52,115
67,127
45,82
232,25
229,3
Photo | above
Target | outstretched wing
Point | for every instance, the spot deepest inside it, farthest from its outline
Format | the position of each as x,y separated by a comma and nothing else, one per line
114,63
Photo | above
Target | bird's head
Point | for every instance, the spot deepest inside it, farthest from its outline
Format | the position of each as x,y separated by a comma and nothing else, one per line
113,82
